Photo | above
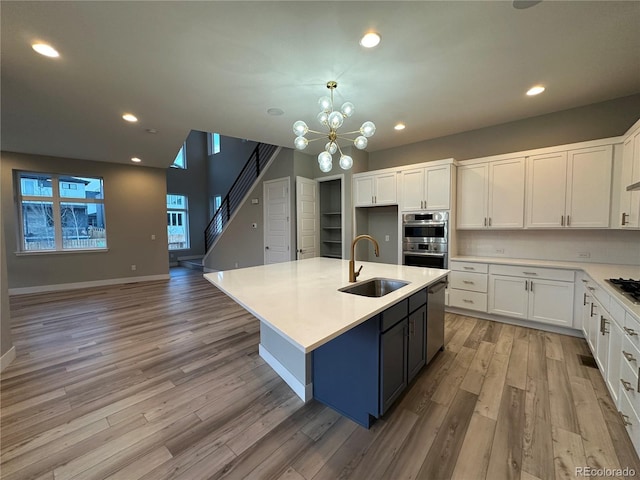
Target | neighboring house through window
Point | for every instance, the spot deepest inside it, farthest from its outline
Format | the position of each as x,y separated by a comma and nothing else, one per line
60,212
177,222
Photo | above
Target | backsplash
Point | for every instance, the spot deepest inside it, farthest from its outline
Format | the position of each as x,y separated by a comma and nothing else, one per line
591,246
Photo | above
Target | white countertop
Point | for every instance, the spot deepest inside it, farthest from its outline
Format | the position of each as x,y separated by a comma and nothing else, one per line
301,300
599,272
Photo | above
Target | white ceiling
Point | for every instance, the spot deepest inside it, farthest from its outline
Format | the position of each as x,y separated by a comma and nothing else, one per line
442,68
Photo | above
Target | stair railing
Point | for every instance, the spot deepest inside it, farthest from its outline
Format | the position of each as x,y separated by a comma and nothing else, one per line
248,175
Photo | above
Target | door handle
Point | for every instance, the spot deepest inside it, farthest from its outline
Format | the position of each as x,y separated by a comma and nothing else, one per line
489,221
591,312
568,220
526,285
485,221
624,220
584,301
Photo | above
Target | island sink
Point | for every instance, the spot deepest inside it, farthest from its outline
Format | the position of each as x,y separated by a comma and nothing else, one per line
375,287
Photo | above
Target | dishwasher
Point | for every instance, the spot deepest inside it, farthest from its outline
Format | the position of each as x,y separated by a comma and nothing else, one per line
435,318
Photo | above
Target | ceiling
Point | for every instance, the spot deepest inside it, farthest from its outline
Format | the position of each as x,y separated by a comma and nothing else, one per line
442,68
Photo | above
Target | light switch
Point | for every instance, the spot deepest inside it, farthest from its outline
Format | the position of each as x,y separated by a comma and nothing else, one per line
254,201
386,238
254,225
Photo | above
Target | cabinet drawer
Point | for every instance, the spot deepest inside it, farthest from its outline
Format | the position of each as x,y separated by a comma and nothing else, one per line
469,300
632,330
475,282
632,424
629,385
469,267
393,315
417,300
533,272
617,312
630,354
603,297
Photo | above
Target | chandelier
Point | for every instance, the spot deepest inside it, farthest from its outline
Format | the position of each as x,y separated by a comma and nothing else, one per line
332,120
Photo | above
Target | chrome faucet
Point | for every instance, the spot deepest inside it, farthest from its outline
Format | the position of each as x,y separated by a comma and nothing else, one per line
352,262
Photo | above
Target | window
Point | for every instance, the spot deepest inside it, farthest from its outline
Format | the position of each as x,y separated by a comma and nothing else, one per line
61,212
177,222
181,158
213,143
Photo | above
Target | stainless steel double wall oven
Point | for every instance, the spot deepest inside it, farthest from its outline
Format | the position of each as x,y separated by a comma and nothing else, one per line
424,242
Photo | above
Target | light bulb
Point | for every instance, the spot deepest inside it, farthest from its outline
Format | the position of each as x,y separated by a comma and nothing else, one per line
326,167
347,109
331,147
335,120
346,162
322,118
361,142
368,129
300,128
324,157
301,143
325,104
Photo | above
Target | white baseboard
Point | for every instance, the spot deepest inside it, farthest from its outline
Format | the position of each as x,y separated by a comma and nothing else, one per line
78,285
7,358
305,392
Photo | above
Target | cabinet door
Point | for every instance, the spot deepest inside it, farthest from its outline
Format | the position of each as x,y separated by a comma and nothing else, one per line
413,189
385,189
551,301
417,343
627,216
364,189
393,364
437,187
602,346
589,187
506,193
594,325
615,359
546,187
472,196
586,317
508,296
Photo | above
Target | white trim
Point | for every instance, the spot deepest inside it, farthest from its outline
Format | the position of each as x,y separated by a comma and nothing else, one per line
7,358
79,285
305,392
547,327
343,207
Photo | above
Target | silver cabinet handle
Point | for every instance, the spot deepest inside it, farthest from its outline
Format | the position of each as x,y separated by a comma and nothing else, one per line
628,356
624,220
584,281
531,286
529,273
591,289
489,221
603,325
466,300
638,386
469,268
485,221
526,285
630,331
468,282
568,220
562,221
591,312
584,301
625,419
627,386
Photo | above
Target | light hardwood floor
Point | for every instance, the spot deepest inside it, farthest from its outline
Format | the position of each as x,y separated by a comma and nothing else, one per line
163,380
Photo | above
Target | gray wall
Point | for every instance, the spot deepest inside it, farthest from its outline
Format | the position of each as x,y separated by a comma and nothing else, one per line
224,167
192,182
378,222
135,209
600,120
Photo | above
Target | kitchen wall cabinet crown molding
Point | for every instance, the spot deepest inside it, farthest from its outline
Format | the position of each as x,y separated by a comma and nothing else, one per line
491,194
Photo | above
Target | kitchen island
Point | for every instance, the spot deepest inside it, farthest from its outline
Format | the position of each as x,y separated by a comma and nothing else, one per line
301,309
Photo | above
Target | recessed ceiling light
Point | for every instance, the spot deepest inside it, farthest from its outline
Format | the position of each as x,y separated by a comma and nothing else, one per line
152,131
130,117
46,50
538,89
400,126
275,112
370,40
135,160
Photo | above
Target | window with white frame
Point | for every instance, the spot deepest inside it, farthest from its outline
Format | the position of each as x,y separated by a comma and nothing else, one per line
177,222
181,158
60,212
213,143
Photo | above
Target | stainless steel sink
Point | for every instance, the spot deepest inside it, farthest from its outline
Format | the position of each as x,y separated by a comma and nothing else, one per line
375,287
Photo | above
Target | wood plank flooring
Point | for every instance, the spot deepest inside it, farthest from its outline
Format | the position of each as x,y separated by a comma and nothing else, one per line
163,380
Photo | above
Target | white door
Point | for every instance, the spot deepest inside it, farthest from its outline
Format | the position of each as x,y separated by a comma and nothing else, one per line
277,225
363,187
472,196
615,360
437,186
546,187
506,193
508,296
551,301
413,189
385,189
307,233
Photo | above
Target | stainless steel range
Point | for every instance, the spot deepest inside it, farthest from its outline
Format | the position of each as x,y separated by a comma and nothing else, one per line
628,287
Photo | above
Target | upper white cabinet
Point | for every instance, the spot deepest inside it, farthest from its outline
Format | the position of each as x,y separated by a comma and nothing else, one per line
426,188
375,189
570,188
629,215
491,194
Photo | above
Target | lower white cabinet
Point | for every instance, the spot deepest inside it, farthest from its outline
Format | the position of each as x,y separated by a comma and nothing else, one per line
527,294
468,285
614,362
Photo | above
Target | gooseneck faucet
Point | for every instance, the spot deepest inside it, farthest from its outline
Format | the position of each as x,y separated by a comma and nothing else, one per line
352,262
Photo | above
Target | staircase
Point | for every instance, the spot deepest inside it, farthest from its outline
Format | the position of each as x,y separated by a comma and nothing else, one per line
256,164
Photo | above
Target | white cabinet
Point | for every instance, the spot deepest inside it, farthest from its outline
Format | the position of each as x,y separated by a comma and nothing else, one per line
427,188
614,361
570,189
491,194
537,294
629,215
375,189
468,285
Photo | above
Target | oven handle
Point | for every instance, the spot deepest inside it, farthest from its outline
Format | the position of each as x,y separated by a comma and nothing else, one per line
421,254
428,223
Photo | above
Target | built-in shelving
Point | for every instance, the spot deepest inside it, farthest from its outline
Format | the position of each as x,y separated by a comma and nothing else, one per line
330,219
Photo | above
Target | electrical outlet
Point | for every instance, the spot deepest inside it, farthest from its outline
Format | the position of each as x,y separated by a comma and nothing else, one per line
254,225
499,250
153,237
133,268
584,254
236,264
386,238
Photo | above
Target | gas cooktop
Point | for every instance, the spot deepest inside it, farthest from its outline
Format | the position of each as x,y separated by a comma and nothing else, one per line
628,287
